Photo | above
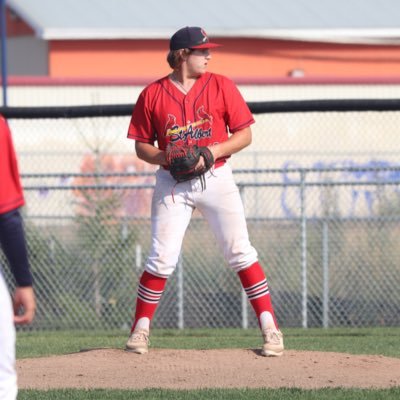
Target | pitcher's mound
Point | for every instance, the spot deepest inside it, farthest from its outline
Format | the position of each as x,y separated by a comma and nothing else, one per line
194,369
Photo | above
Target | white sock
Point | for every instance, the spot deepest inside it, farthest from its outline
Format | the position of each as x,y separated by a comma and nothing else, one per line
143,323
266,320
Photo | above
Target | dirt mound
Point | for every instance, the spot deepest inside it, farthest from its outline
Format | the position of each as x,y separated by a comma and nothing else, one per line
191,369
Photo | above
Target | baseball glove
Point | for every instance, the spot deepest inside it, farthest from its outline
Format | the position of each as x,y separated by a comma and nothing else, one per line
183,159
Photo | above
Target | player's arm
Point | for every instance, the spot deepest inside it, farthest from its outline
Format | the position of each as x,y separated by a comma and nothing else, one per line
236,142
12,239
149,153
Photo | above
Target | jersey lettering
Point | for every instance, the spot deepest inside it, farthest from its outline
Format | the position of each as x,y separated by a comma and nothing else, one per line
200,129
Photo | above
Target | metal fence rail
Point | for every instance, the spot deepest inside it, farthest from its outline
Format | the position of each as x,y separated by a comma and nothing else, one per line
328,239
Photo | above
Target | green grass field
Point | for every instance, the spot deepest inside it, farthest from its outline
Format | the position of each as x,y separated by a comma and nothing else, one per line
379,341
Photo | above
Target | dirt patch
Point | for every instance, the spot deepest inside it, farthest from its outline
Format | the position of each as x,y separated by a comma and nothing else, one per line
192,369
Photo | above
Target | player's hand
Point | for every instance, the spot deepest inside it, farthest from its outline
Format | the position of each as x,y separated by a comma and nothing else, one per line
24,305
201,165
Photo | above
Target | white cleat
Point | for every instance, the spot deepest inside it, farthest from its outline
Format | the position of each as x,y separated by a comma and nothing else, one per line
138,342
273,342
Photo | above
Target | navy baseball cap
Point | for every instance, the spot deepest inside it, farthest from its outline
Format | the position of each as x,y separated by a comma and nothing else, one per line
191,37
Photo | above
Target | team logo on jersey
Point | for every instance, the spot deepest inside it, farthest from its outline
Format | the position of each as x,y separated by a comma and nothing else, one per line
199,129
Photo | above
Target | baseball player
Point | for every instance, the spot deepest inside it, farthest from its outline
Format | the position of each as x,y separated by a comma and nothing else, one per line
191,107
22,309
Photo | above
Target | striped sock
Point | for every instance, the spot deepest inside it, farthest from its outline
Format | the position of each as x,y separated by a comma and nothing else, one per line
149,293
255,285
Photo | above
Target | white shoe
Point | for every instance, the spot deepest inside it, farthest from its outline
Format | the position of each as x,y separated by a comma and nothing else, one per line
138,342
273,342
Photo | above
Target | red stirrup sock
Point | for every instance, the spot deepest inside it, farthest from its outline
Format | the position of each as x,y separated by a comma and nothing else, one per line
149,293
255,285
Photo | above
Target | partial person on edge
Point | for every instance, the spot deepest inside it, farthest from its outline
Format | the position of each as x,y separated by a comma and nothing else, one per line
21,308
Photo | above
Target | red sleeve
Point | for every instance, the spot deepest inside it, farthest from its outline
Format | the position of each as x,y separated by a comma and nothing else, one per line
238,115
11,195
140,126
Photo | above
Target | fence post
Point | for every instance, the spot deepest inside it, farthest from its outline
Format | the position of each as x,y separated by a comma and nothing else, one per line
138,256
245,319
3,40
180,293
325,274
303,248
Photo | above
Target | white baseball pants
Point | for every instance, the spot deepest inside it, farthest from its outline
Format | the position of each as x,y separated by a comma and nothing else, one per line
8,375
219,203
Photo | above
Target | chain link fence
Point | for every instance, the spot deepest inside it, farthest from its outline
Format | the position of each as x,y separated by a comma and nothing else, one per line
322,200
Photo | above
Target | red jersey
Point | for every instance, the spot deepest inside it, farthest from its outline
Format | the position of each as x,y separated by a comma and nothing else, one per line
206,115
11,195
